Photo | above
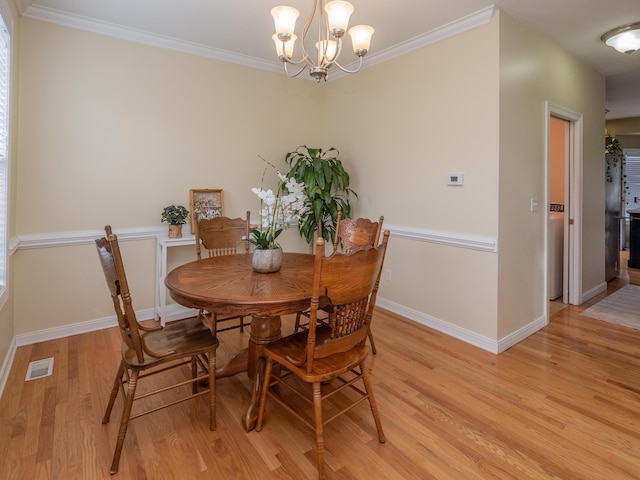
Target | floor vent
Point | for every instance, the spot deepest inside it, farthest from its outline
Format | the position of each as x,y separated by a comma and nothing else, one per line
39,369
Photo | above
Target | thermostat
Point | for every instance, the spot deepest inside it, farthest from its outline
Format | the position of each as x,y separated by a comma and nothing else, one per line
456,179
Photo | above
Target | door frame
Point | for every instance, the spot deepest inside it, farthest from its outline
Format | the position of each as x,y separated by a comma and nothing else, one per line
572,261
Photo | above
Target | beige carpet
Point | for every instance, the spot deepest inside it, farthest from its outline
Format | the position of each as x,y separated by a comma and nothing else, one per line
621,307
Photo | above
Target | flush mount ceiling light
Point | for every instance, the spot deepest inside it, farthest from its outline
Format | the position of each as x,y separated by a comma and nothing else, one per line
332,22
625,39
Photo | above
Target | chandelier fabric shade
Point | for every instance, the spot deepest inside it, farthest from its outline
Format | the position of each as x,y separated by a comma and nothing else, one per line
332,22
625,39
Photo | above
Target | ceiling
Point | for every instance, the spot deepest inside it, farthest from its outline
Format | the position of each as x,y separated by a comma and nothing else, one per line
240,30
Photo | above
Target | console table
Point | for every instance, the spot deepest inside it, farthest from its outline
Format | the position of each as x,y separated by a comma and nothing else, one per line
163,243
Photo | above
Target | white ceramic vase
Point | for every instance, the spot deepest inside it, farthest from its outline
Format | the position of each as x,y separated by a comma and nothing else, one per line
267,261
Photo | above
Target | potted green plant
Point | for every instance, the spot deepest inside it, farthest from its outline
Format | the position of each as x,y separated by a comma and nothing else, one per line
327,190
175,216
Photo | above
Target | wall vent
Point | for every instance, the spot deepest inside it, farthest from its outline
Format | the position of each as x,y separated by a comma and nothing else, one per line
39,369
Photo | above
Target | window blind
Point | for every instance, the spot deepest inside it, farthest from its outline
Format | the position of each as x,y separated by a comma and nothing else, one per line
4,150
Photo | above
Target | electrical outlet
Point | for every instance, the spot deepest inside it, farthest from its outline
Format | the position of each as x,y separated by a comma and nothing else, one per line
387,274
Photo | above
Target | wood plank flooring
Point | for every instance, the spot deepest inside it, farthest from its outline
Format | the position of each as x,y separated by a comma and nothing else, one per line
562,404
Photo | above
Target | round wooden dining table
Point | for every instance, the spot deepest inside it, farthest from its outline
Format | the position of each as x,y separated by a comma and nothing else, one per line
227,285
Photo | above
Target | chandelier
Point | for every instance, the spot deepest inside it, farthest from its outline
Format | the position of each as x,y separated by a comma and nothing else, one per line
332,23
625,39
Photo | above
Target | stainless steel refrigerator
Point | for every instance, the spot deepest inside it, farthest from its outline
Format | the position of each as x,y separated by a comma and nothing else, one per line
613,214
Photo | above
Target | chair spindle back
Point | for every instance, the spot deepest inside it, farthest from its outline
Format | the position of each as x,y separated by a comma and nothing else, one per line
222,235
350,282
356,233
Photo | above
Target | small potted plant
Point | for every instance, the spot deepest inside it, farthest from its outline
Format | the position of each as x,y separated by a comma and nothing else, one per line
175,216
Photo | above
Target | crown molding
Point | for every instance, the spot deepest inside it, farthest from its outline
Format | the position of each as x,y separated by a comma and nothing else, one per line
469,22
461,25
139,36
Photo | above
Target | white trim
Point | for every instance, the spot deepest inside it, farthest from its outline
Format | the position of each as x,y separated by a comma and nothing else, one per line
64,19
461,25
6,365
598,289
461,240
65,331
573,231
463,334
74,329
467,336
85,237
14,242
62,239
7,16
517,336
45,14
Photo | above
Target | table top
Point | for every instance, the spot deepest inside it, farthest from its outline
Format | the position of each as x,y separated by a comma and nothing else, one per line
228,285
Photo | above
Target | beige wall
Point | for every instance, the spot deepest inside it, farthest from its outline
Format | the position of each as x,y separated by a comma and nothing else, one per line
624,126
112,131
534,70
406,124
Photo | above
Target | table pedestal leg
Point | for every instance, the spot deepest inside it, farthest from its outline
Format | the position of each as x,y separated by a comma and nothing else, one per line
263,330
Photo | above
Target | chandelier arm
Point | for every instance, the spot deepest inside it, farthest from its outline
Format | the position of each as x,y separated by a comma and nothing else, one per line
338,51
286,60
286,71
346,70
305,29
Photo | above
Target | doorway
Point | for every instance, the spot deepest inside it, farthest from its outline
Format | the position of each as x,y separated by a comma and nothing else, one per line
563,129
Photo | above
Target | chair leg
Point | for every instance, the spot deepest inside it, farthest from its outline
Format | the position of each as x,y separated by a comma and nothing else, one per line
194,374
317,410
373,345
297,325
263,393
114,393
212,390
372,402
126,413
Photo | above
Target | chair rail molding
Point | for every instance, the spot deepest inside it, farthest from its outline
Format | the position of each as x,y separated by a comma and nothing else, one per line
461,240
84,237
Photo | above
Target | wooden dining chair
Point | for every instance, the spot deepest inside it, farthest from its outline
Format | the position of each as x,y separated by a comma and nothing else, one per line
329,357
351,234
222,236
148,350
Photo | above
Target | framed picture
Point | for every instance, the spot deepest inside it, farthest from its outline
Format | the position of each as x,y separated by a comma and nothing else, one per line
205,203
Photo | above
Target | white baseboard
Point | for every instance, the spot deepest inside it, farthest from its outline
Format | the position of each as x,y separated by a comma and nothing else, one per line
515,337
6,365
465,335
74,329
589,294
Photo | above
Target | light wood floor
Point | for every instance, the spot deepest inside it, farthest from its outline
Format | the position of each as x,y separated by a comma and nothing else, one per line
562,404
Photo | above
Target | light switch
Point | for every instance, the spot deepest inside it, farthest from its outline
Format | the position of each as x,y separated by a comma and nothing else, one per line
534,204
